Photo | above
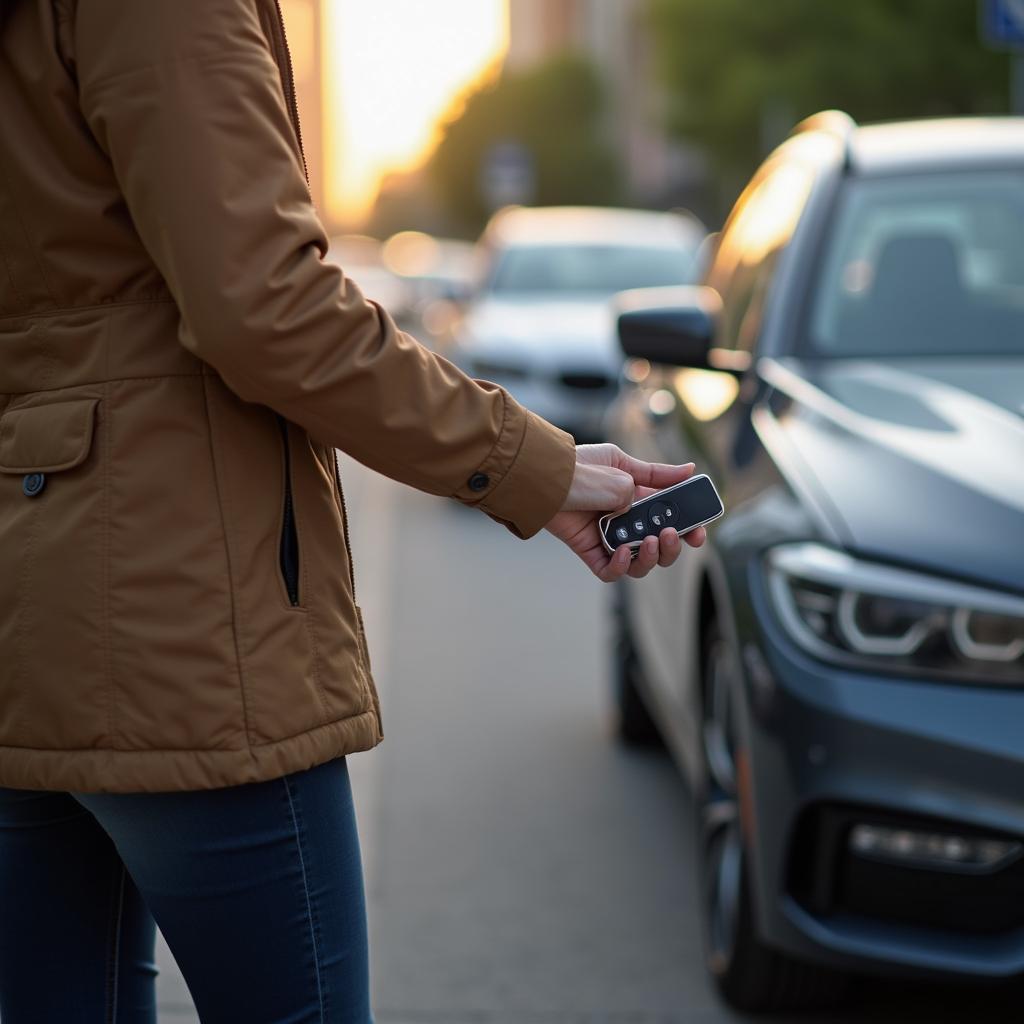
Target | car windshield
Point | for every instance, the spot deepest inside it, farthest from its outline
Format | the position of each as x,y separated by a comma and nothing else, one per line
590,269
924,265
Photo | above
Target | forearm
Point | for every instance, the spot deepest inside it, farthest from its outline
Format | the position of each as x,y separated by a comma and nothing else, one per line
198,132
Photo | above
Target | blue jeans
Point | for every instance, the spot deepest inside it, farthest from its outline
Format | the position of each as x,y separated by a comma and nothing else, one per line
257,889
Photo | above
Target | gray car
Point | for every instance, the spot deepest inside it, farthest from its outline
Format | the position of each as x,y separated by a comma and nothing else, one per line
840,669
541,325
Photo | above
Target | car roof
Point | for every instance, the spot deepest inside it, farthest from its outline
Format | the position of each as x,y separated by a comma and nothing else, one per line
938,144
923,145
560,225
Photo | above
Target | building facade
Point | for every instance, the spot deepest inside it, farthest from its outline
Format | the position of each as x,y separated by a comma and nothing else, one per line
304,21
616,36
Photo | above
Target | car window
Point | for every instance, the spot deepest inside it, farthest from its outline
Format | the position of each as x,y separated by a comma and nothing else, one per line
924,264
590,269
748,253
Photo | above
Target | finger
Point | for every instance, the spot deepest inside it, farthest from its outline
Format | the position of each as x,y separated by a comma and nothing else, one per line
619,488
599,488
645,492
669,547
616,567
646,560
696,537
655,474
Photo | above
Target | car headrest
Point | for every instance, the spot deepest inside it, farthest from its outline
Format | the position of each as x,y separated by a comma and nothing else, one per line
911,267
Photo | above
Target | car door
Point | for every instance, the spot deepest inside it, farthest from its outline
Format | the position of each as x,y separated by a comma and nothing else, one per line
677,414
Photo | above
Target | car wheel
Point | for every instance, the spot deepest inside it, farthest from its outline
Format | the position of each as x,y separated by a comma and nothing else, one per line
749,975
634,725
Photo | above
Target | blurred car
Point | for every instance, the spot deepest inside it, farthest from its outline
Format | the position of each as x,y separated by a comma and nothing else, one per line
433,267
439,275
840,669
541,325
362,259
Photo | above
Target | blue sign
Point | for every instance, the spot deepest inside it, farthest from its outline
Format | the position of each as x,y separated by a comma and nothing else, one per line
508,175
1002,24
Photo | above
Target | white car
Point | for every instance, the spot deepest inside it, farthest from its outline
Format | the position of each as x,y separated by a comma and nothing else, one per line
361,258
541,324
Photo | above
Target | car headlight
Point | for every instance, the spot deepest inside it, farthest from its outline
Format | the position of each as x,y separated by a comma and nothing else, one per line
863,613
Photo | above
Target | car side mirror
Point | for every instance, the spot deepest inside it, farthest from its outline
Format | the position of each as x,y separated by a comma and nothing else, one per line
676,326
673,325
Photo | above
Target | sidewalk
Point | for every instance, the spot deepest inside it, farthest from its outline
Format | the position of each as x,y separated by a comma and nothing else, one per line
174,1004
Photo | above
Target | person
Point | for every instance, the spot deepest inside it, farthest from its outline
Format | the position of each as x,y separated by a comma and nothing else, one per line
183,667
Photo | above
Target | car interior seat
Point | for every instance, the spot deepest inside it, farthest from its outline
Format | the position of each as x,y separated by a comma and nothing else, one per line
917,301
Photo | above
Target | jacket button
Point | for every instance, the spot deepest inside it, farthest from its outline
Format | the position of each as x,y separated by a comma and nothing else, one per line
479,481
33,484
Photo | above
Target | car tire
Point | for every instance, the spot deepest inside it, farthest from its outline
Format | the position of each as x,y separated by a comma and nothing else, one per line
634,725
750,976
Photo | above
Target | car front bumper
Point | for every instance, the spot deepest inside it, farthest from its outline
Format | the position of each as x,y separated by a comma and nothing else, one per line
575,400
821,740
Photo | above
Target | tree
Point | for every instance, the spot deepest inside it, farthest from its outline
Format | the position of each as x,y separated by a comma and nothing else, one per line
741,72
556,111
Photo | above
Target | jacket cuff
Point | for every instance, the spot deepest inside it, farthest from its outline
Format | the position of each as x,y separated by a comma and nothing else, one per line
535,485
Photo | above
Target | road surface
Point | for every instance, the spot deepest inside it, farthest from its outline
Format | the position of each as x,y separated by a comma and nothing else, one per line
521,868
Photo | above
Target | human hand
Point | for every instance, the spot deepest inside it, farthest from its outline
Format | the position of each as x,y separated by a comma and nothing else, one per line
609,480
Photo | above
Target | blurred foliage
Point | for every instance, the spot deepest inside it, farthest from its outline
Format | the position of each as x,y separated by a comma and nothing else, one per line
740,73
556,111
407,202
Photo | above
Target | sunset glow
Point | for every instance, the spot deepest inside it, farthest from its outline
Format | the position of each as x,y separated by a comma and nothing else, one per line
394,67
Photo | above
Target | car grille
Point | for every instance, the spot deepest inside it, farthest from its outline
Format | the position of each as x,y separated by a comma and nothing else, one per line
586,381
826,877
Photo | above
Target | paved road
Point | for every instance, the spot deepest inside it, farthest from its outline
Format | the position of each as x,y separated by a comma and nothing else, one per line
522,869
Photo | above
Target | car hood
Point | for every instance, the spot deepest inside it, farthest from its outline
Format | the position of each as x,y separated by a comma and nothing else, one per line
920,461
544,330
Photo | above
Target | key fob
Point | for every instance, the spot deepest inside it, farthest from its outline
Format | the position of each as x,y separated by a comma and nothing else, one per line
694,502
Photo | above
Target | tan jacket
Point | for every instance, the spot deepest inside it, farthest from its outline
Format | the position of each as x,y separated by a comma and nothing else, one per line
177,366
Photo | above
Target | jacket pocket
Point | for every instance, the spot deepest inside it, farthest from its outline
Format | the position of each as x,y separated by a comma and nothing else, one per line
41,439
289,544
52,632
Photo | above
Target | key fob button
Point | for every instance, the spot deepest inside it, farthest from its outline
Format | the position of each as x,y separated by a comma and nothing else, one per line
639,526
662,514
621,534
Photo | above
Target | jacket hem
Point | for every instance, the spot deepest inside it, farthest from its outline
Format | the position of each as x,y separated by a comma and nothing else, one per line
152,771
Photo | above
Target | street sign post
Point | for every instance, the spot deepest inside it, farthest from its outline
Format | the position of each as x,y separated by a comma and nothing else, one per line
508,175
1002,28
1002,24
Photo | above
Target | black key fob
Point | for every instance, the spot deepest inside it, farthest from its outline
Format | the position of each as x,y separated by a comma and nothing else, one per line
684,507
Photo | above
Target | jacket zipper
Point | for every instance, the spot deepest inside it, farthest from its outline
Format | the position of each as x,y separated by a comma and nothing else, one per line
293,109
289,553
344,523
293,103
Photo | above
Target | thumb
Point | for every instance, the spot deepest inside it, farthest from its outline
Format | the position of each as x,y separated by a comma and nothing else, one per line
599,489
